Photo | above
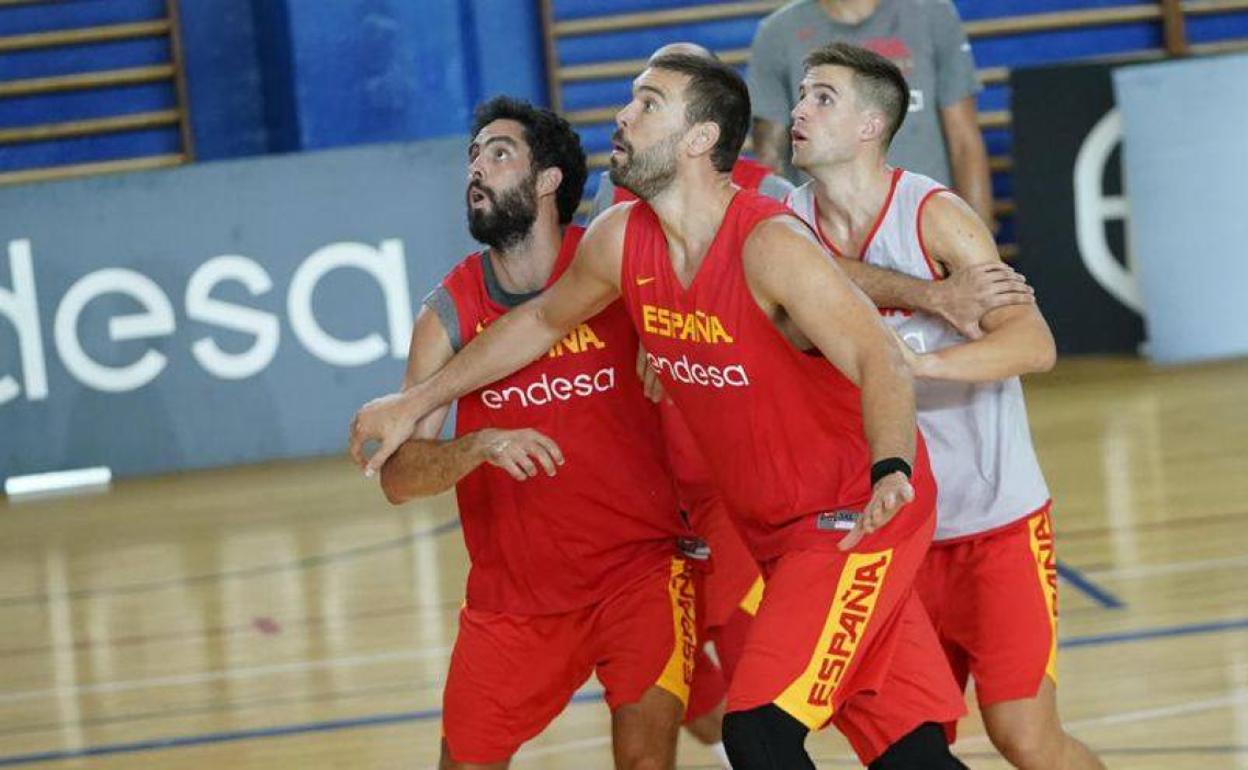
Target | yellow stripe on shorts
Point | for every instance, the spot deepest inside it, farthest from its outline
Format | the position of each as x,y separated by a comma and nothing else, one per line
678,673
809,697
753,597
1040,530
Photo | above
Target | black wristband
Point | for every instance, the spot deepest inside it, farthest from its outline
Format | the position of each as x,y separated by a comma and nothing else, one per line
882,468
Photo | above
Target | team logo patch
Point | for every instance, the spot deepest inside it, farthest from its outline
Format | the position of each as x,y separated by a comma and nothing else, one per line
837,521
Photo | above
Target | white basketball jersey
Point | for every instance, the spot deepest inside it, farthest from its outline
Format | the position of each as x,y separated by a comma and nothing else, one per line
977,435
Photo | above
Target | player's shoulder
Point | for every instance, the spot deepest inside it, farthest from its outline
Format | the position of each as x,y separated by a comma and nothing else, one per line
913,193
607,230
614,217
929,198
468,269
777,231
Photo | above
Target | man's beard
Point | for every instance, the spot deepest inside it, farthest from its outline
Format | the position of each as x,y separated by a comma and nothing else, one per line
647,173
509,218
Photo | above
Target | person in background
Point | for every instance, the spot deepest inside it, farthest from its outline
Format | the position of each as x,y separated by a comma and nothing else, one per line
940,138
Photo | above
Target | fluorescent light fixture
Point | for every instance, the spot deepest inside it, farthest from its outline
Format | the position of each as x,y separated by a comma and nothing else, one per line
57,481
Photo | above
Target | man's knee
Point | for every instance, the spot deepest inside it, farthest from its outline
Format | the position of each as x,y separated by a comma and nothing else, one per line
766,738
446,763
1028,746
923,748
644,733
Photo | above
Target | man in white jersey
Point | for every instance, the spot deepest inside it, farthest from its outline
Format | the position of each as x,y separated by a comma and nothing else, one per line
989,581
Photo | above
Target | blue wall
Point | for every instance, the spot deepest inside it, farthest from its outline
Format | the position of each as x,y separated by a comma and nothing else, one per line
289,75
279,75
87,103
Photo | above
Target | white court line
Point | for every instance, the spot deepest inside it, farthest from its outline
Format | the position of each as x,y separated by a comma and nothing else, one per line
1172,568
1236,697
228,674
40,484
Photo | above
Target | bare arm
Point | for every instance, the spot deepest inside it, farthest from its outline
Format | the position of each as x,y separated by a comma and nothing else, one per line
425,465
787,269
968,157
590,283
771,143
962,298
1017,339
768,79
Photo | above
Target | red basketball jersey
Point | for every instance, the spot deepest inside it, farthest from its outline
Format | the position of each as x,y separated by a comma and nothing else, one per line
550,545
780,429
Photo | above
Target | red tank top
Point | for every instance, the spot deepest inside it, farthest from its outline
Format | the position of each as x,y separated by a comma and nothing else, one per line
693,479
746,173
548,545
780,429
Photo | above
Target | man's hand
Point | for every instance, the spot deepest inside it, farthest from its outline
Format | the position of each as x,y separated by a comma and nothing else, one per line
516,450
890,494
390,420
966,295
650,384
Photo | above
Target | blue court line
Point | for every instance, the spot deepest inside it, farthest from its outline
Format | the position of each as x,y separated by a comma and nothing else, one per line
1155,633
1092,590
225,737
428,714
243,735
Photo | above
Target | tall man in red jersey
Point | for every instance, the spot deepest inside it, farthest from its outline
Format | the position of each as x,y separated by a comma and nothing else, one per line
817,455
731,590
567,505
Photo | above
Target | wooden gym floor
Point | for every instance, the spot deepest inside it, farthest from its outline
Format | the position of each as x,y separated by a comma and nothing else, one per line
283,616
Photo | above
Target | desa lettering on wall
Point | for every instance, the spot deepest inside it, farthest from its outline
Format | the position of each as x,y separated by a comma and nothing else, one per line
20,304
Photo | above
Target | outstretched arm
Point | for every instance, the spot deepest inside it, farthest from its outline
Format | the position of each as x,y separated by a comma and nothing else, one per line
590,283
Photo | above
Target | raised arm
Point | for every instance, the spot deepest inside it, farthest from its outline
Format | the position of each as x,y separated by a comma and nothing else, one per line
1017,339
770,98
789,271
590,283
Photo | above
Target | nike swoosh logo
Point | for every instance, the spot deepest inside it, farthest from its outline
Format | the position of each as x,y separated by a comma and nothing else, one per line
644,281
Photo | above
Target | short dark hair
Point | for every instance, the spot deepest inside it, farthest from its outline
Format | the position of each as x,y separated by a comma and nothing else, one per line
875,77
716,94
552,144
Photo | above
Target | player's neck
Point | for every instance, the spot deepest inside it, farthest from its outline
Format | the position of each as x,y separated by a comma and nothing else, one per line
849,11
850,197
525,267
692,208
